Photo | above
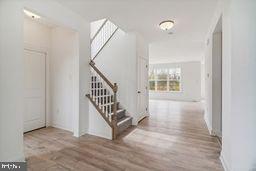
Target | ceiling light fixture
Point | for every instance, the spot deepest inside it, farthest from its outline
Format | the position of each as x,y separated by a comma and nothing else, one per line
166,25
31,15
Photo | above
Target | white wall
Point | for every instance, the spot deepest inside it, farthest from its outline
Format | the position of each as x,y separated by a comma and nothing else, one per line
172,50
203,80
243,83
221,10
64,17
226,86
37,35
11,81
61,46
12,70
64,51
97,125
238,83
190,82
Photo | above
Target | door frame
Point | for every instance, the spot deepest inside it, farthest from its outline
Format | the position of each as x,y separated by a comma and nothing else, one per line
139,118
45,51
216,127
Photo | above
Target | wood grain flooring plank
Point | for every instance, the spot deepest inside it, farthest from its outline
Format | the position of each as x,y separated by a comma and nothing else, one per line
173,138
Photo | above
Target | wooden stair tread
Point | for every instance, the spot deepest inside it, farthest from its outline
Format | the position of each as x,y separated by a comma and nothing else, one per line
123,120
124,124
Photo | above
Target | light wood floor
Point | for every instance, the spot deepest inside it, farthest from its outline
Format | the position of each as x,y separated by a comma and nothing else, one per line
173,138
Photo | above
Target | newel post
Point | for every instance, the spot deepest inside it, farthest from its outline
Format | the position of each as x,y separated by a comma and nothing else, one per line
114,116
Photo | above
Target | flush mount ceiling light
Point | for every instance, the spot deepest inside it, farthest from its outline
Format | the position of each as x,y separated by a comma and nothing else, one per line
31,14
166,25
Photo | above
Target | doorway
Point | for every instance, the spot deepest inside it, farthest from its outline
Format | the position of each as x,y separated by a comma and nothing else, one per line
35,90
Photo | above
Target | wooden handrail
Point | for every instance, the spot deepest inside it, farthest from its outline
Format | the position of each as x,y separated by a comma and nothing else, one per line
112,86
99,29
100,111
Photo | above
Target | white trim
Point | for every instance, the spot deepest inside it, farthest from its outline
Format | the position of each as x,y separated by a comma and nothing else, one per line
173,62
100,135
217,133
81,133
176,100
46,51
223,162
75,134
20,158
138,116
61,127
208,124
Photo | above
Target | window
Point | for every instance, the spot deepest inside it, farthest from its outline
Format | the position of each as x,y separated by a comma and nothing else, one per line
174,79
163,79
152,84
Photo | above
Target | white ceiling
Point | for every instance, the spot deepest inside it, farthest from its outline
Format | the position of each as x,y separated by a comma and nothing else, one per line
192,19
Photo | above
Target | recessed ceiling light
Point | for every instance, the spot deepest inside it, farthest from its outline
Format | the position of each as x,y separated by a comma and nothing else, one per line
166,25
31,14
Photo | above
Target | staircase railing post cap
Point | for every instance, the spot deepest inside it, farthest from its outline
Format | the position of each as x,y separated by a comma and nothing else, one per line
115,87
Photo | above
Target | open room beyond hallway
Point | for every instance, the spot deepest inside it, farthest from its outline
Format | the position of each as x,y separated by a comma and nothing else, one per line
173,138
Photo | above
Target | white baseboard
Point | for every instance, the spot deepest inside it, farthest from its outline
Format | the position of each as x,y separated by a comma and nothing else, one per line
224,163
176,100
20,158
216,133
61,127
100,135
79,133
207,124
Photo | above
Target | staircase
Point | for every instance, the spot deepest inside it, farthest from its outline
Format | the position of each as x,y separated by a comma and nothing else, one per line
103,93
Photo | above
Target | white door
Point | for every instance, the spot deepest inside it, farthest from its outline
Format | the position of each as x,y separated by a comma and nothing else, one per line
34,110
143,88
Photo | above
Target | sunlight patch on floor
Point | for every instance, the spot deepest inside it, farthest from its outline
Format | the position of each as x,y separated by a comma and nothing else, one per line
149,138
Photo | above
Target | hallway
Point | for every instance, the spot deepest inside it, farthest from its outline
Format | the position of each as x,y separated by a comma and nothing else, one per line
174,137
